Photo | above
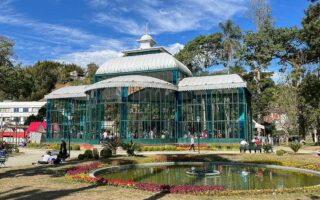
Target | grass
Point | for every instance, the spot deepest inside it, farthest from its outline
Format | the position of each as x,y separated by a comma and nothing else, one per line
35,182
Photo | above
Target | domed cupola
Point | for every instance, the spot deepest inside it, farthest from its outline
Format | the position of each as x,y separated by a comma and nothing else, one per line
146,42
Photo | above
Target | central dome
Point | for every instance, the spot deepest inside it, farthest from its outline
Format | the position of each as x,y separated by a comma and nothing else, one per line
145,37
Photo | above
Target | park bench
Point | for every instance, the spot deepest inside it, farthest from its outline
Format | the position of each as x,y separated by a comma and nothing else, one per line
3,157
251,147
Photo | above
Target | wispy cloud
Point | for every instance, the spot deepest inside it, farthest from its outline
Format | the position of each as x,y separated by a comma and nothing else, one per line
55,41
86,57
176,16
174,48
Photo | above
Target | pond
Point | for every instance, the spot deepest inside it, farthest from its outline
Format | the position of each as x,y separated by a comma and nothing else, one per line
234,177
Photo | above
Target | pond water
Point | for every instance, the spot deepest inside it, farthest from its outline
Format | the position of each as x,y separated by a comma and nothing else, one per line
232,177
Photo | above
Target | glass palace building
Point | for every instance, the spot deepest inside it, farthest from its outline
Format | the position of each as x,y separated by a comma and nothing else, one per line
150,97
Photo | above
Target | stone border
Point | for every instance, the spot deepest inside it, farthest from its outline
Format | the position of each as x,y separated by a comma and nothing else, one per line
96,172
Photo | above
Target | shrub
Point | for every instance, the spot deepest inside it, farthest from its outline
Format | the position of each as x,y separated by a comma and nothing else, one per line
81,157
55,146
267,148
131,147
95,153
75,147
162,148
295,147
33,145
88,154
280,152
105,153
16,150
145,148
113,145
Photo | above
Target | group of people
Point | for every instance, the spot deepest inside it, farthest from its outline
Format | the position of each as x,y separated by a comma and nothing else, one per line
48,158
107,136
258,140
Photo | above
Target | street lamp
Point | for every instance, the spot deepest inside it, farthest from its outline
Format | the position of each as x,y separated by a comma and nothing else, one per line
70,117
198,120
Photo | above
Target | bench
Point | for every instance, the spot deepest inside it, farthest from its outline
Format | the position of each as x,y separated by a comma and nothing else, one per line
2,160
251,147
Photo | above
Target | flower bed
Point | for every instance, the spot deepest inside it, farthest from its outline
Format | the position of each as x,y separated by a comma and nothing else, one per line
80,173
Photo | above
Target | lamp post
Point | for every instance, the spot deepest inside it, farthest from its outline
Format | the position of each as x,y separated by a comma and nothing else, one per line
198,120
70,117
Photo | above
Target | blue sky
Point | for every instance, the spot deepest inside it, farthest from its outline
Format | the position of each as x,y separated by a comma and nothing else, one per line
84,31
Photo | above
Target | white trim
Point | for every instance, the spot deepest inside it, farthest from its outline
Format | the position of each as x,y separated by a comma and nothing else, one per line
212,82
67,92
132,81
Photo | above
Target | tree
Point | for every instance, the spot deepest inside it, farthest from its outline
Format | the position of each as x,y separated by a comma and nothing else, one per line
201,52
231,35
285,101
260,13
311,30
309,93
37,118
291,51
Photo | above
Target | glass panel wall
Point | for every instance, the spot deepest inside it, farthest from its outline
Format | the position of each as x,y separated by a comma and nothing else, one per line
58,123
215,113
132,112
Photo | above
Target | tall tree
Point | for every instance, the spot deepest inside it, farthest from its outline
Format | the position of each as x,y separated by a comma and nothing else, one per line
311,30
231,35
258,47
201,52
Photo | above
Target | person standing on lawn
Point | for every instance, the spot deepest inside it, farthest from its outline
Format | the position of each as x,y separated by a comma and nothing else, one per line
63,149
192,143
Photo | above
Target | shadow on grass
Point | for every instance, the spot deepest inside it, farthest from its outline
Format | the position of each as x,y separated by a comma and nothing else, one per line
39,194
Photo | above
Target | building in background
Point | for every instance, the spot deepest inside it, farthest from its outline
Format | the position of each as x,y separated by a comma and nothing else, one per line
16,112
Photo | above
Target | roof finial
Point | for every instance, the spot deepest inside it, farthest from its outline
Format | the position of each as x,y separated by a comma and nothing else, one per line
146,30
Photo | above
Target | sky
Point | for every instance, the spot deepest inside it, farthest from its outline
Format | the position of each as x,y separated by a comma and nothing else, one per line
85,31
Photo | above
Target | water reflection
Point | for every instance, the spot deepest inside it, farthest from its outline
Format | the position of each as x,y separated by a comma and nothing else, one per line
232,177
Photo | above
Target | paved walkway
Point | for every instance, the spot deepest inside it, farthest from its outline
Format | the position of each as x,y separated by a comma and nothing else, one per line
30,156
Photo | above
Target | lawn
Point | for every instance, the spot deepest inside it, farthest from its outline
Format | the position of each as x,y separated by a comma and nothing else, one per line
39,182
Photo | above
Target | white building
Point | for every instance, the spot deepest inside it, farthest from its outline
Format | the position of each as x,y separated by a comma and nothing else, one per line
12,111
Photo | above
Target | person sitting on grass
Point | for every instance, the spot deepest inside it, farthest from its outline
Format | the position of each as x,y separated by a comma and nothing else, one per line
46,159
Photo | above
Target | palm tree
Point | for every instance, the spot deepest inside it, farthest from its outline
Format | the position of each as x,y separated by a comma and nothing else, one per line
231,35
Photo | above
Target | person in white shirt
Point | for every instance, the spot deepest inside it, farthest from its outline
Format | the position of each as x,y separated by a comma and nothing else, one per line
151,134
46,159
192,143
243,142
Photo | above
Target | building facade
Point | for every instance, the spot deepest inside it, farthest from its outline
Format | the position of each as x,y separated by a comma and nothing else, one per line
150,97
13,112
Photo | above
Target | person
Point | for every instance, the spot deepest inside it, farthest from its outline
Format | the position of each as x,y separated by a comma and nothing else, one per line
243,142
151,134
63,149
204,134
192,143
46,159
105,135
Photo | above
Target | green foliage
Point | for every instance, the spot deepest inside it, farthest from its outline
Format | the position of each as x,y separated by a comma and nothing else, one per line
37,118
295,147
88,154
81,157
95,153
231,35
280,152
201,52
113,145
311,30
131,148
105,153
75,147
267,148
